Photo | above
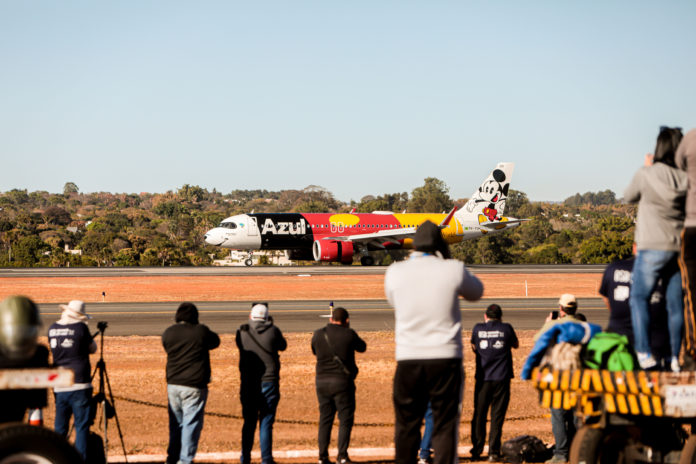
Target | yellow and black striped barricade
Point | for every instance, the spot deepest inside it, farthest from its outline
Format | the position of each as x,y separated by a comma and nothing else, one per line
637,393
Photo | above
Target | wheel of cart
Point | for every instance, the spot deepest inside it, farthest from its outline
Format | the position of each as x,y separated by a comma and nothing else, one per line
628,417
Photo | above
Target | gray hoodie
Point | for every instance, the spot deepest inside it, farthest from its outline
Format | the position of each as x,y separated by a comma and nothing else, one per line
259,343
660,192
686,160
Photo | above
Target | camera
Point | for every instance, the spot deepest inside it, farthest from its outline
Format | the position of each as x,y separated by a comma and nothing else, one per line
102,325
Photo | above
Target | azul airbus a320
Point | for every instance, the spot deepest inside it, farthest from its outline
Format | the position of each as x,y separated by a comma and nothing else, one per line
339,237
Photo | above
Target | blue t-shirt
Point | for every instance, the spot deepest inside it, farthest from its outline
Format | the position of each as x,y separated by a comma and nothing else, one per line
70,348
493,342
616,287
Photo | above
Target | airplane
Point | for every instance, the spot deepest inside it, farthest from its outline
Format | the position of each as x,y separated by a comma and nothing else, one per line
337,237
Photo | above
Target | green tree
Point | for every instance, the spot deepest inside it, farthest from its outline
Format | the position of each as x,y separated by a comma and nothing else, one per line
28,251
56,215
432,197
515,200
70,187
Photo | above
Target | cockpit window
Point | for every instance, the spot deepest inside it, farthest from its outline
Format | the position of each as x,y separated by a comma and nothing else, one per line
228,225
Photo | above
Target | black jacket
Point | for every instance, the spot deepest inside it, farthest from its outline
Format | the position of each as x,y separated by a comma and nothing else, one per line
259,343
188,359
344,343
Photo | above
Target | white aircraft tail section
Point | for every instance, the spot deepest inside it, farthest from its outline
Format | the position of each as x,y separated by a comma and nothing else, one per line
487,203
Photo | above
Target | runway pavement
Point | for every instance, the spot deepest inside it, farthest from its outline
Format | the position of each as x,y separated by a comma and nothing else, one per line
277,270
305,316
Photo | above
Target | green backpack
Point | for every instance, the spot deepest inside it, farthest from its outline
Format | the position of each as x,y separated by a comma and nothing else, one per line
611,351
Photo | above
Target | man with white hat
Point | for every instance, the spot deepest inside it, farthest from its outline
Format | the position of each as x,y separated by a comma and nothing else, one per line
71,344
562,420
259,342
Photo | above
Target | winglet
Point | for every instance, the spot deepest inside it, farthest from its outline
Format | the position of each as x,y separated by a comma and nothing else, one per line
445,222
352,211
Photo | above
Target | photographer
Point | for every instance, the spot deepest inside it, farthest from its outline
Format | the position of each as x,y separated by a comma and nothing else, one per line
259,342
335,346
71,344
188,346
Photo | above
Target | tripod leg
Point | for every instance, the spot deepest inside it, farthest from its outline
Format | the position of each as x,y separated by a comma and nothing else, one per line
118,424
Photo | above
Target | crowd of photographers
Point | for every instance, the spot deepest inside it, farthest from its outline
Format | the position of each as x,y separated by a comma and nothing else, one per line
649,298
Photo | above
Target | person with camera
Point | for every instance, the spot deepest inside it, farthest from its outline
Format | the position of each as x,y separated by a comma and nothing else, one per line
71,344
259,342
187,344
562,420
424,291
335,346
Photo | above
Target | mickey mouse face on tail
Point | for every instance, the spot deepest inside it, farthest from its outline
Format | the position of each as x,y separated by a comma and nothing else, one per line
491,189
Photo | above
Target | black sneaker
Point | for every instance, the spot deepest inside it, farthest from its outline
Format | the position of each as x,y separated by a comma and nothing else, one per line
324,461
495,458
344,461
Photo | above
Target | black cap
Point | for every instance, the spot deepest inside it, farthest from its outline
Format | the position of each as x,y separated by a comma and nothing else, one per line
494,311
187,312
429,239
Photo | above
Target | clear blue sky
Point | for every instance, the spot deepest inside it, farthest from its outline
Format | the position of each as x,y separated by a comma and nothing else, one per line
360,97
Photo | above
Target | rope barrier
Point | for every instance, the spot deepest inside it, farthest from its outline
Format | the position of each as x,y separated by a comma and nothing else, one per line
304,422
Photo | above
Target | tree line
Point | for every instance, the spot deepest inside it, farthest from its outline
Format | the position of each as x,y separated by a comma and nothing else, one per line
166,229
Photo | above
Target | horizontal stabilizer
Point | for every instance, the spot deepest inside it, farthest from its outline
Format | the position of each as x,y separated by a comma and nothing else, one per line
502,224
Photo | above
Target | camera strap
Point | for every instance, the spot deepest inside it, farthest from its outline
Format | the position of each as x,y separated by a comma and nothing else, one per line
338,360
253,338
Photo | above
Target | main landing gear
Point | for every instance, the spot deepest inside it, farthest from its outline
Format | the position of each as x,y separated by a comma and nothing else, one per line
367,260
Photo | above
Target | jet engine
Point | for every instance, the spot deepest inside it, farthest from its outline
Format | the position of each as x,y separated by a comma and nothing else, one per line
333,250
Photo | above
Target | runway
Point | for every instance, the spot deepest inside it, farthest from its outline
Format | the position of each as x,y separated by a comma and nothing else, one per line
126,319
279,270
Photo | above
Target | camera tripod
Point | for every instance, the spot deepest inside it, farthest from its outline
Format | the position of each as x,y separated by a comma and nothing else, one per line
108,410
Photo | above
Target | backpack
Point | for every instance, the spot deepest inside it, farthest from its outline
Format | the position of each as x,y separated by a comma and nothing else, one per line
611,351
526,448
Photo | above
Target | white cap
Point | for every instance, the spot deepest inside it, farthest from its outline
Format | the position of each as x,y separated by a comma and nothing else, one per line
259,312
567,300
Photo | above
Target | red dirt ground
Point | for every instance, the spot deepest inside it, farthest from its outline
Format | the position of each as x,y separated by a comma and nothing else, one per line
220,288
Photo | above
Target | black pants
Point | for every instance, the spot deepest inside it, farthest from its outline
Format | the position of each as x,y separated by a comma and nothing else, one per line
415,383
335,394
496,396
687,264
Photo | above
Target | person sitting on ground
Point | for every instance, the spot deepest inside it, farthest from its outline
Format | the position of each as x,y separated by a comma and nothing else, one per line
660,189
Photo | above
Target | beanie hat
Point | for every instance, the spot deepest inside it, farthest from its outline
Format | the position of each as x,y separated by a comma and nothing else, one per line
187,312
429,239
259,312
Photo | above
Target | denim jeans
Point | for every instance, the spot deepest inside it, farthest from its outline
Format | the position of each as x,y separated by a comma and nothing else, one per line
259,405
186,411
77,403
563,428
651,265
427,438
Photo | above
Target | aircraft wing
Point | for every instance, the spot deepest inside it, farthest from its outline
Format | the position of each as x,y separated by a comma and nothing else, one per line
377,239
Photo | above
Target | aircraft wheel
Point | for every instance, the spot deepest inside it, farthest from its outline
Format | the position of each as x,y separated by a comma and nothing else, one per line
248,262
367,261
22,443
